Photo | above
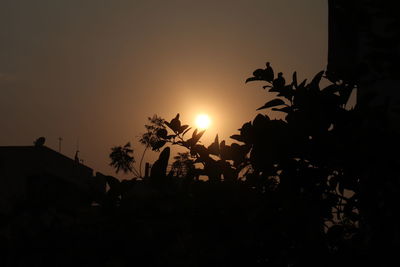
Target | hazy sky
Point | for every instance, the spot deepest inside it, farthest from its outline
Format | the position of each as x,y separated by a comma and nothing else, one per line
94,70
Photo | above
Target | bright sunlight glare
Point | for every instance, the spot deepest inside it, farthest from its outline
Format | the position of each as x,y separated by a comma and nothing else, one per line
203,121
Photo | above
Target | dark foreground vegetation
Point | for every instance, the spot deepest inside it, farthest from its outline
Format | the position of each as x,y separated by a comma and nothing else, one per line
319,187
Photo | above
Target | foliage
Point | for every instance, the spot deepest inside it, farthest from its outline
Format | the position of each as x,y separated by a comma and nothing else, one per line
306,149
121,158
300,182
299,158
154,129
219,161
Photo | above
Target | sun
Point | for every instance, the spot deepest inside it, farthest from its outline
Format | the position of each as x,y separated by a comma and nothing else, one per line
203,121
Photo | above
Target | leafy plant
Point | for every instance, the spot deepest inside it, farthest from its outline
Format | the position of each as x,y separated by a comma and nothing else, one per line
306,151
218,160
298,158
122,158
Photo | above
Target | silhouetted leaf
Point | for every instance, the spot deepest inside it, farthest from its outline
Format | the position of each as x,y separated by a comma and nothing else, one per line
272,103
195,138
224,151
331,89
201,150
175,124
284,109
317,78
287,92
252,79
162,133
194,133
182,128
187,130
127,147
294,82
159,168
246,133
302,84
237,137
199,135
157,145
259,73
214,147
260,119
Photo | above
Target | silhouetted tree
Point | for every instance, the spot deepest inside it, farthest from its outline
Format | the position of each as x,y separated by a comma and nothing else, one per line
155,130
122,159
293,188
307,152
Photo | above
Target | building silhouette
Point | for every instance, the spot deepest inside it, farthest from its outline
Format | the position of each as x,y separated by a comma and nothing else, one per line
38,173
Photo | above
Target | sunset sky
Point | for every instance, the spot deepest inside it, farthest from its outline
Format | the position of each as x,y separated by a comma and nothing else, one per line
94,70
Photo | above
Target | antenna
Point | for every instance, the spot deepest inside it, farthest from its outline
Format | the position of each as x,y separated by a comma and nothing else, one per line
59,144
77,159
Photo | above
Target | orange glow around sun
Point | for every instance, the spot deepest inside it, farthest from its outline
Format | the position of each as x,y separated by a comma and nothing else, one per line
203,121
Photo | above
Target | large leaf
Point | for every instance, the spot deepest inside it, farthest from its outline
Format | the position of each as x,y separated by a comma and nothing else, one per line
162,133
237,137
287,92
302,84
201,151
159,168
294,82
316,80
187,130
252,79
198,136
195,138
225,151
183,128
157,145
175,124
194,133
286,109
273,103
214,147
